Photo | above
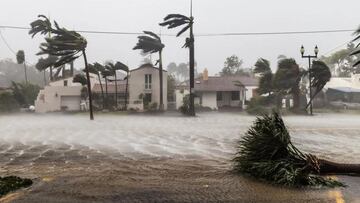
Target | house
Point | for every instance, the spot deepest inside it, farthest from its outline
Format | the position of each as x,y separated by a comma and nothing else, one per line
143,91
343,89
144,87
60,95
219,91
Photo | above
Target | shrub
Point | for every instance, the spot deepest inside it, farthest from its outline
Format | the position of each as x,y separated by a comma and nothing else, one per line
8,102
185,108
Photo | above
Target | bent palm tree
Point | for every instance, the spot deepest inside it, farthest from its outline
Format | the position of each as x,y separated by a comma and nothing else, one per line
67,45
112,68
357,49
266,152
262,67
105,74
320,75
176,20
151,43
80,78
45,63
125,68
96,69
20,58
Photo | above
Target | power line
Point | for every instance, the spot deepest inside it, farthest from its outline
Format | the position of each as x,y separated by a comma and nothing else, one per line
204,34
6,43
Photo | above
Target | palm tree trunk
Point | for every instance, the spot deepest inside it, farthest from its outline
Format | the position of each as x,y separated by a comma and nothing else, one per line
51,74
296,98
88,86
26,79
161,105
102,91
44,78
116,96
192,64
126,89
328,167
106,91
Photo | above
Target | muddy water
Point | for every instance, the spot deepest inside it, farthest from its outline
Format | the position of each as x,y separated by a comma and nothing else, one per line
163,158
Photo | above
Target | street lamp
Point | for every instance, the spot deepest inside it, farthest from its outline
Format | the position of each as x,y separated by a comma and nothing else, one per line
316,51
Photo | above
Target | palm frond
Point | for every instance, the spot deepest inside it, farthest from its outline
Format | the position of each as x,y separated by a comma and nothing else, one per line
44,64
149,43
80,78
266,152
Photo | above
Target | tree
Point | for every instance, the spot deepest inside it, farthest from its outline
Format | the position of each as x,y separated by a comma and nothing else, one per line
25,93
171,85
111,68
262,67
124,68
232,66
67,45
20,58
357,49
177,20
96,69
45,63
287,79
151,43
105,74
266,152
80,78
320,75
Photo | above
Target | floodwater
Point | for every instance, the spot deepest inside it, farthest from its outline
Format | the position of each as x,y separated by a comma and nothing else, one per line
162,158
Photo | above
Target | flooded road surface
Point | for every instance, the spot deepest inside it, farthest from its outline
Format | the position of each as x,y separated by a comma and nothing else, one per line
163,158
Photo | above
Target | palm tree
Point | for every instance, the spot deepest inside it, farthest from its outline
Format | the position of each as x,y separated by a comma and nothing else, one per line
151,43
113,68
125,68
80,78
176,20
262,67
320,75
106,73
45,63
96,69
357,49
67,45
20,58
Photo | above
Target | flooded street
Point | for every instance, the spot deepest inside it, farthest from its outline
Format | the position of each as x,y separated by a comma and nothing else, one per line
167,158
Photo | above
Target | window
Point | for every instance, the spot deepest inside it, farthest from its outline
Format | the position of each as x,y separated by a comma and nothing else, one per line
219,96
148,80
235,95
65,83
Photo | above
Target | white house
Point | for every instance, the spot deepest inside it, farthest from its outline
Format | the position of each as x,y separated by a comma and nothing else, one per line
59,95
144,87
219,91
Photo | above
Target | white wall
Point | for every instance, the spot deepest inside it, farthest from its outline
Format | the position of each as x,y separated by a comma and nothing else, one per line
179,96
249,92
137,86
209,100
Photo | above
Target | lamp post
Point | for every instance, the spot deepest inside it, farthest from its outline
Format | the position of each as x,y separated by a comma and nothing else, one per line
309,57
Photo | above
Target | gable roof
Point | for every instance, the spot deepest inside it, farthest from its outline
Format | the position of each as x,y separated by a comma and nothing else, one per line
222,83
146,65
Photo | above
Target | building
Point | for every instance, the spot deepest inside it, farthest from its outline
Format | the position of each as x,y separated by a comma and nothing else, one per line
144,87
219,91
61,95
143,91
340,89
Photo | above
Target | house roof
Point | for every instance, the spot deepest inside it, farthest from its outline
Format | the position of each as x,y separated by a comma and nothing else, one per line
146,65
223,83
121,87
345,89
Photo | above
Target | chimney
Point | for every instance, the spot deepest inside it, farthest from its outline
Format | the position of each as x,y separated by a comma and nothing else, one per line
206,75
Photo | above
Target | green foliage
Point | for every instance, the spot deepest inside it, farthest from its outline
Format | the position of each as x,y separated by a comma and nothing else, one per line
45,63
8,102
67,45
12,183
20,57
25,93
185,108
149,43
261,104
171,85
356,51
266,152
232,66
176,20
262,67
80,78
320,75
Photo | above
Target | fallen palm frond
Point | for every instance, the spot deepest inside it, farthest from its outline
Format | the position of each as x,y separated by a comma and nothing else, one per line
266,152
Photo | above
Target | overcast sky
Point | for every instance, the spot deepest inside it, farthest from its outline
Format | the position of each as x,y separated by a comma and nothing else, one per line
211,16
